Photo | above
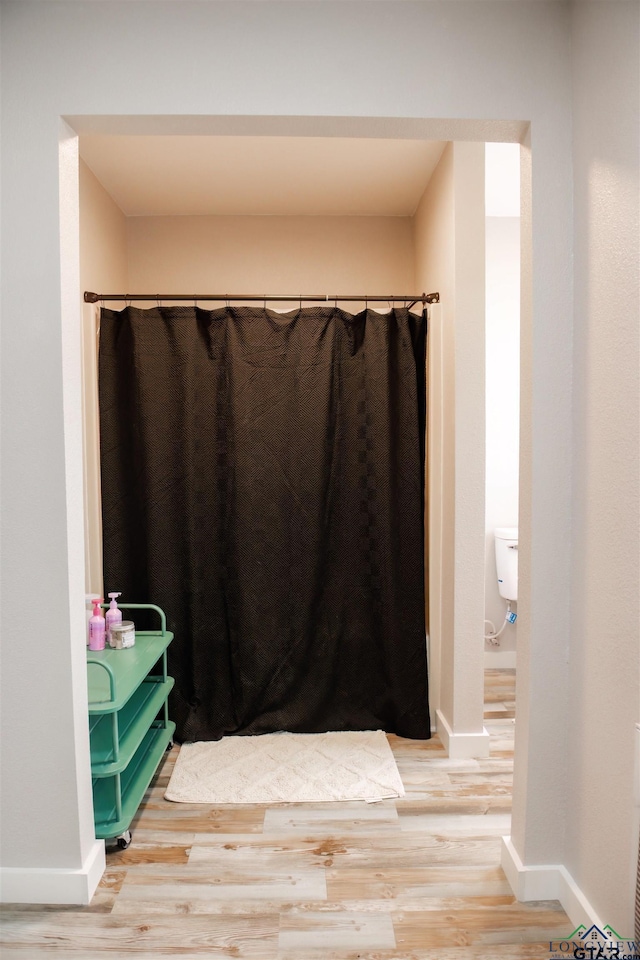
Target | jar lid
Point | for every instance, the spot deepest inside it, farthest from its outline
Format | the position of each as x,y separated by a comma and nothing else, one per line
123,627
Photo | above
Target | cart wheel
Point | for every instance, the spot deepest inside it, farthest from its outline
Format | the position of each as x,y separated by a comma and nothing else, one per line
124,840
169,745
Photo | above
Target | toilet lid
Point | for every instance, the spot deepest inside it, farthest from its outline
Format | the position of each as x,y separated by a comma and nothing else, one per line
506,533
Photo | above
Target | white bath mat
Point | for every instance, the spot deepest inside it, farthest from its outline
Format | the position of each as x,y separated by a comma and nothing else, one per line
287,768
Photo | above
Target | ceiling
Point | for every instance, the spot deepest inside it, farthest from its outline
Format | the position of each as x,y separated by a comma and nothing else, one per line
262,176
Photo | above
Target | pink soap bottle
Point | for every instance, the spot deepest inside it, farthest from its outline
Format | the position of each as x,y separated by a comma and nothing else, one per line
97,629
114,615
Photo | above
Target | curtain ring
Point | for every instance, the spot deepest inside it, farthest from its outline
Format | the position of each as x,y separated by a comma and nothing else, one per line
127,302
301,301
195,303
158,300
227,302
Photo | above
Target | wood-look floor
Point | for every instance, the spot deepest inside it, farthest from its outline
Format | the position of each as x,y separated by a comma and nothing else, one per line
413,879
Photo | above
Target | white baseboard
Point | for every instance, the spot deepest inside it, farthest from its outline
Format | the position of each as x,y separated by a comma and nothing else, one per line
547,882
499,659
42,885
462,746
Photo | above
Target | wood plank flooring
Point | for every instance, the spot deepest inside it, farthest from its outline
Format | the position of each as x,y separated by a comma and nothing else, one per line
414,879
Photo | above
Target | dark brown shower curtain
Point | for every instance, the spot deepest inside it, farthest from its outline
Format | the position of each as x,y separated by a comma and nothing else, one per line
263,481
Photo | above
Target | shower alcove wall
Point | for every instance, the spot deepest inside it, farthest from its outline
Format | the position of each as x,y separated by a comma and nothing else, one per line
435,243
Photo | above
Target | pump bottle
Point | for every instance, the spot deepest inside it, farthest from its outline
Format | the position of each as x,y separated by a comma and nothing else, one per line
114,615
97,628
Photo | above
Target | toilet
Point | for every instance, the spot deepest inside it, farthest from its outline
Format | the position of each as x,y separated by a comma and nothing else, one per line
506,541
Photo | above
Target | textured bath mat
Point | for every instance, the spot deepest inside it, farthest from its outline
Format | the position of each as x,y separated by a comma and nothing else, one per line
286,768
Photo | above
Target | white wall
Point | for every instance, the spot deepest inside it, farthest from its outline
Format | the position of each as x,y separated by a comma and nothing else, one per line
355,69
600,851
45,753
103,267
271,254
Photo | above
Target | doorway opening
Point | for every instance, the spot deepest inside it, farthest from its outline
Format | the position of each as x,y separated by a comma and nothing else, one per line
502,334
455,699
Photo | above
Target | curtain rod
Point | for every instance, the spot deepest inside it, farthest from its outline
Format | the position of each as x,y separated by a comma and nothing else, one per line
90,297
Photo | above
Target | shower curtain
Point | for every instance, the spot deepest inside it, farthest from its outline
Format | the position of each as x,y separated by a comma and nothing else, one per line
263,482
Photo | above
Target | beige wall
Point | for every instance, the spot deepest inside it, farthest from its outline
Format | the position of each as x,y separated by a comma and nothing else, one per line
103,237
434,246
103,267
449,241
313,255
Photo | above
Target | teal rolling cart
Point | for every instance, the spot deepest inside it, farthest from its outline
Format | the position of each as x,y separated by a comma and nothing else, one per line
129,724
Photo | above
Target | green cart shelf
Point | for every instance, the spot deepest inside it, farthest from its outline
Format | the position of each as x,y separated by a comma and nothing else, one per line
129,726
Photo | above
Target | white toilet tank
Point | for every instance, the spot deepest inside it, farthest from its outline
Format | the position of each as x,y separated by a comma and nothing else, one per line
507,561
